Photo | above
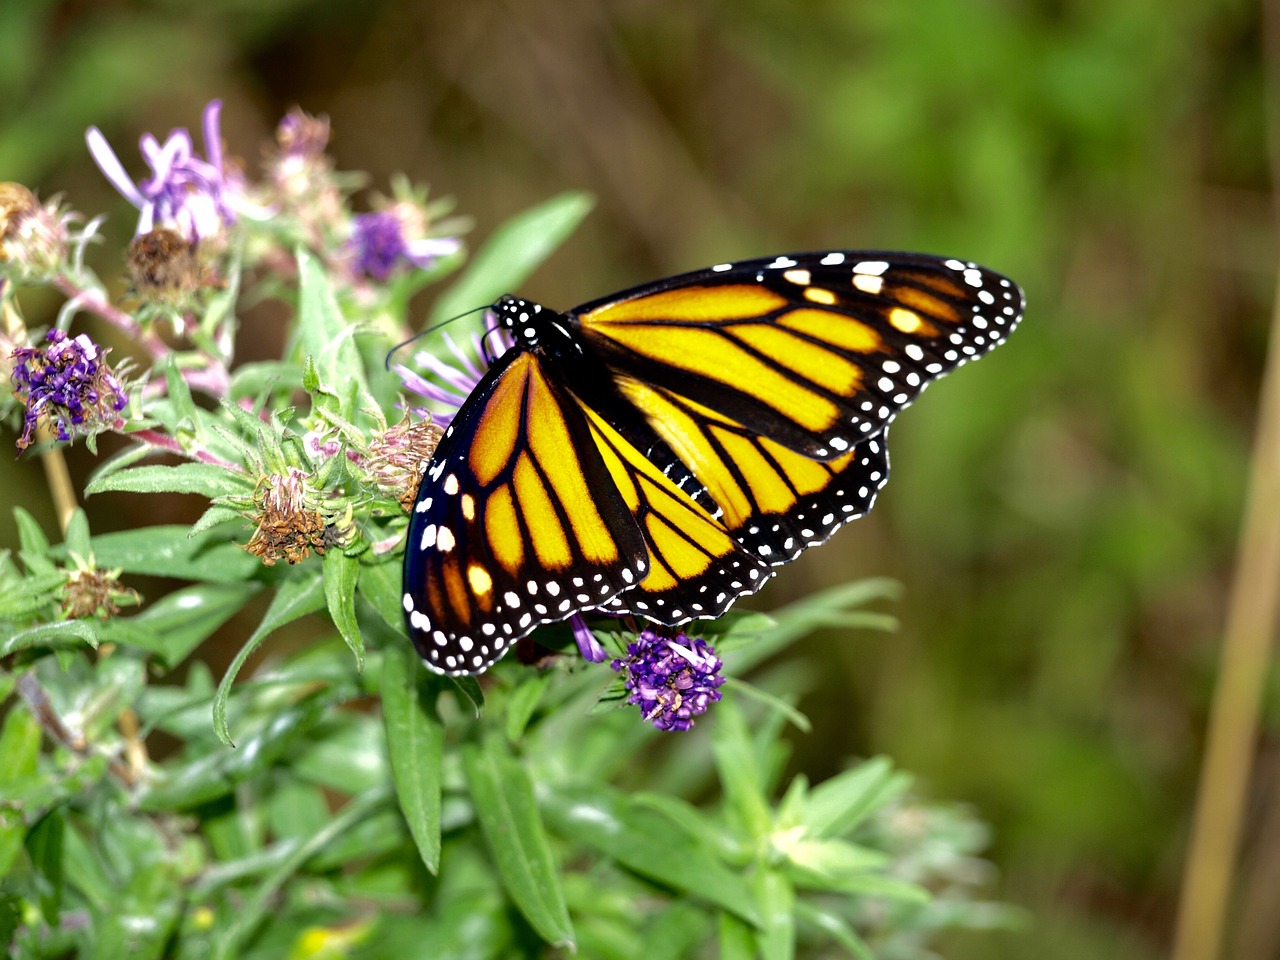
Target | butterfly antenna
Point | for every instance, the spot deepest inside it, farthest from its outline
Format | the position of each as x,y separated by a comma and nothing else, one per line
432,329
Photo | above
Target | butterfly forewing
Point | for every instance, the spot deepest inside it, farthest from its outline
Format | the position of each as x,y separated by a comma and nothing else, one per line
815,352
518,523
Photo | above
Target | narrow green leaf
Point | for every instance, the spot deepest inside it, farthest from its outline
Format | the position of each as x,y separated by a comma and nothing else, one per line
37,592
470,690
512,253
205,479
523,701
625,831
173,626
834,926
839,804
504,803
777,704
179,394
737,940
168,551
33,545
125,458
19,751
44,847
379,583
216,774
228,941
739,770
415,743
340,594
77,535
296,597
890,888
62,635
776,900
829,864
324,334
19,745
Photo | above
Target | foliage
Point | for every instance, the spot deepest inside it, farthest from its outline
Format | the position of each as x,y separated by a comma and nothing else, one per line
336,799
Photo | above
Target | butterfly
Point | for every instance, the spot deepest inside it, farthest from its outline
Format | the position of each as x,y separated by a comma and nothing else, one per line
659,452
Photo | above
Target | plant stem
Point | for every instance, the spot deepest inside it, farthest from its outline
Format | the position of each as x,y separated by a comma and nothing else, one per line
1246,648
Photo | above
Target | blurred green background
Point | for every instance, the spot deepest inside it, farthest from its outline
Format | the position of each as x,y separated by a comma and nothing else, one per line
1063,515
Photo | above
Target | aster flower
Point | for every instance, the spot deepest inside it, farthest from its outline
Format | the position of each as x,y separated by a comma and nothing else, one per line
301,182
385,239
189,193
69,384
90,592
588,645
458,379
399,455
672,680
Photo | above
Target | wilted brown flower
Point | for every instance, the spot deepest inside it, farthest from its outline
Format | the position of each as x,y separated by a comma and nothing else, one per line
398,457
287,527
89,592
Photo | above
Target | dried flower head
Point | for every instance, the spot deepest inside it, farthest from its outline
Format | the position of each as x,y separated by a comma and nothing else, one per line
166,268
672,680
288,528
33,236
399,455
68,384
301,182
90,592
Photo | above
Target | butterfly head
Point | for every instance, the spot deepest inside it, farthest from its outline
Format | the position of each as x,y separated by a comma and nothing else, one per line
521,317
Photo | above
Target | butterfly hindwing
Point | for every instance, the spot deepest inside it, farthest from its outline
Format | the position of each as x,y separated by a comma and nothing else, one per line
817,351
774,501
517,523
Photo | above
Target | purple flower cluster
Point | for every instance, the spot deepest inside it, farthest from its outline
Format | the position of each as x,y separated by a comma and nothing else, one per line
186,192
672,680
68,383
381,243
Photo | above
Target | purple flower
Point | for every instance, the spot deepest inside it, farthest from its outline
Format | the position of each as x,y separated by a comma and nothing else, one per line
68,383
459,378
588,645
185,192
672,680
380,243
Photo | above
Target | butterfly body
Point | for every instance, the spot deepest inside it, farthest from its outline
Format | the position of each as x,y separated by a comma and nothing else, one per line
660,451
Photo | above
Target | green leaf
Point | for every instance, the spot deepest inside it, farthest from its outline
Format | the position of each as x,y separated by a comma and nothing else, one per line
179,394
834,926
77,535
739,769
296,597
19,751
228,941
324,334
62,635
469,689
777,704
644,840
828,864
216,774
205,479
415,743
523,701
512,253
44,848
737,940
173,626
776,899
33,544
37,592
380,584
839,804
168,551
340,594
503,797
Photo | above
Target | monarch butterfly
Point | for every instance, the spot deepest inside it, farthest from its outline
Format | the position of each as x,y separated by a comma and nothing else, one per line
658,452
